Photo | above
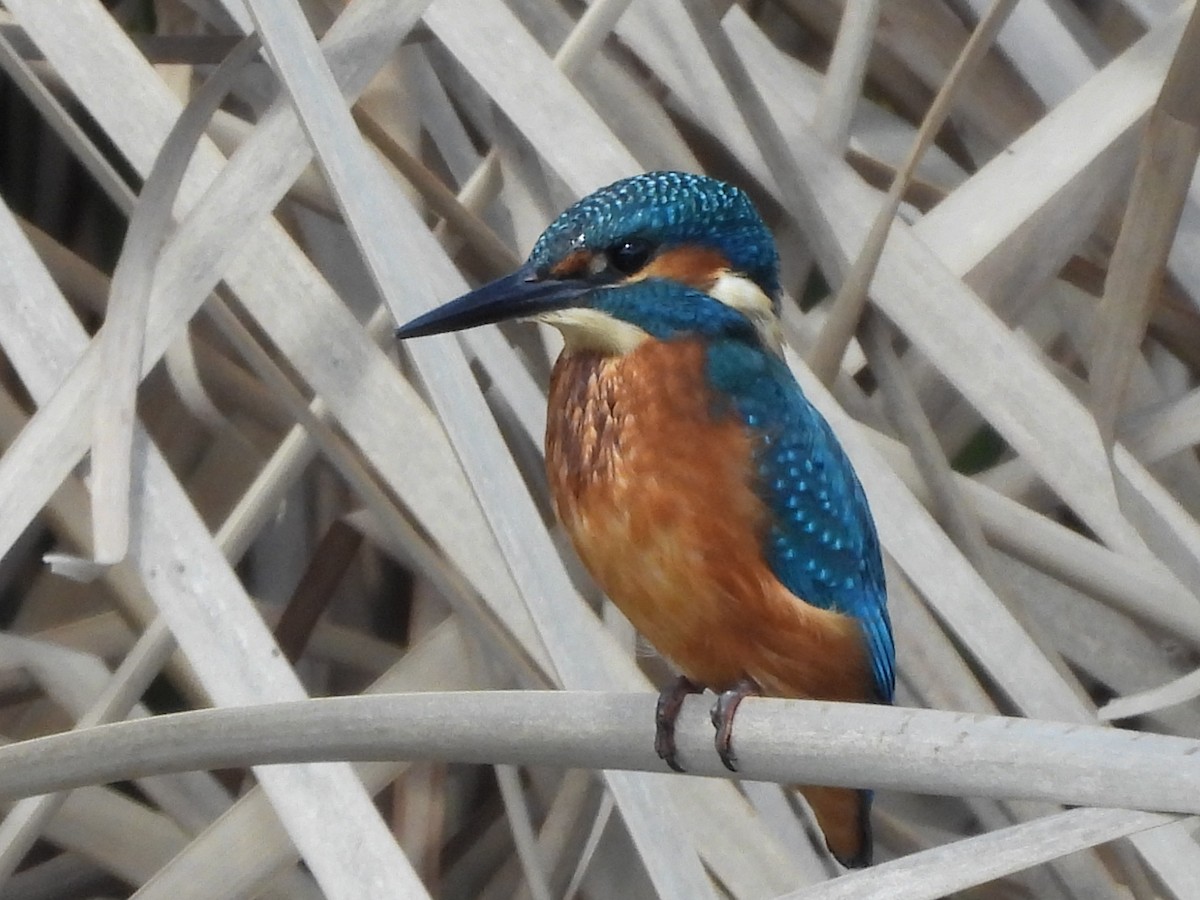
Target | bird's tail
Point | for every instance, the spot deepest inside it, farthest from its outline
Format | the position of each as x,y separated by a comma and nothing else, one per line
844,814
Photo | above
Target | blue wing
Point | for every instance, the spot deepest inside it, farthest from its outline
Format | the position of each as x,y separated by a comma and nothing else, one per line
822,545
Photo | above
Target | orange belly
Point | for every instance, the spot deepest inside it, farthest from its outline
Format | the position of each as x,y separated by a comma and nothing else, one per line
654,485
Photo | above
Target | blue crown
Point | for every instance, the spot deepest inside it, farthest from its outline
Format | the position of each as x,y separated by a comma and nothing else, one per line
671,209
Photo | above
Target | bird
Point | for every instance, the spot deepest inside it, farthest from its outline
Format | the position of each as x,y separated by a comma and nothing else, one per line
705,494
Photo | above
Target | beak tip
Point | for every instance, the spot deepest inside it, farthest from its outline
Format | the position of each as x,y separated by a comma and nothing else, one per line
411,329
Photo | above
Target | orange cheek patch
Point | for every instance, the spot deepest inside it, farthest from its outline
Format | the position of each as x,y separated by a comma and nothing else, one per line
697,267
574,263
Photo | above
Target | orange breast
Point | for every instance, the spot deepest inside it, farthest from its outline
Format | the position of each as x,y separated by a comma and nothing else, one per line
653,482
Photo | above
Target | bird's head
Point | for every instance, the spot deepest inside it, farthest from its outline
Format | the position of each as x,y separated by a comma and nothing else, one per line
661,255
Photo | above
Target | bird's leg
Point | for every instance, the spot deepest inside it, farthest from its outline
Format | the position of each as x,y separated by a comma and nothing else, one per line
670,701
722,718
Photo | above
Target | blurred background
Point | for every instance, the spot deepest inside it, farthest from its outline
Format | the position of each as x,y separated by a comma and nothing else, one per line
1015,377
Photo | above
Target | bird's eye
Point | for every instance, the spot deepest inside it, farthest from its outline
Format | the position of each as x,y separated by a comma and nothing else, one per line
630,255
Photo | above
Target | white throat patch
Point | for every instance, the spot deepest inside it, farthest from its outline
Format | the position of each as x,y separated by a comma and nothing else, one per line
591,329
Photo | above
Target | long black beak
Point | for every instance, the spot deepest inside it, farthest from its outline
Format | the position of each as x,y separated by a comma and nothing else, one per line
519,295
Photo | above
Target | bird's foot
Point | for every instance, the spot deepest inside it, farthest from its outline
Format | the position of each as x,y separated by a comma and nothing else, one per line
670,701
722,718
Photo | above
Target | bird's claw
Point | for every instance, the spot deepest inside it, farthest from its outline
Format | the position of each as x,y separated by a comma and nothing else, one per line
670,701
722,718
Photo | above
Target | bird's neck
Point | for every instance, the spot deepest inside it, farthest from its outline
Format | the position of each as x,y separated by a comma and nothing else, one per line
741,293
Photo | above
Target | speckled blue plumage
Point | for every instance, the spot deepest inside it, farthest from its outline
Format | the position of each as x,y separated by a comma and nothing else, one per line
673,209
822,544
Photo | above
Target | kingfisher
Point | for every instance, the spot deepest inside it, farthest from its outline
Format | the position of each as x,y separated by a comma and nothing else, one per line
706,495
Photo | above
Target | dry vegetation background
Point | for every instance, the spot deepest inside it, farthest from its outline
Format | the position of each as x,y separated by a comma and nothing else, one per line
223,487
